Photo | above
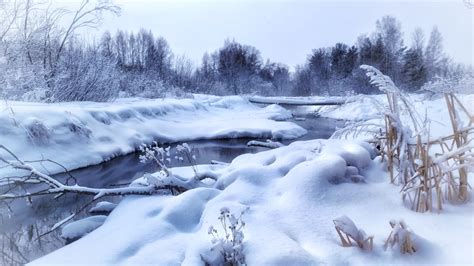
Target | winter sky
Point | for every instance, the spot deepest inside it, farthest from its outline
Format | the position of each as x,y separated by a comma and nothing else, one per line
287,31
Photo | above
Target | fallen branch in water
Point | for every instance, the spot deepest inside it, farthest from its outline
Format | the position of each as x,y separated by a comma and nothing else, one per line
266,144
153,184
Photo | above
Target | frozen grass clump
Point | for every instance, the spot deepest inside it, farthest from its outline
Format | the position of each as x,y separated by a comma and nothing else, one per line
227,242
402,237
430,170
347,230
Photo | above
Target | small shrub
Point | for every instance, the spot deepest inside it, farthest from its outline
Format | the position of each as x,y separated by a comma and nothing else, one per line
157,154
229,242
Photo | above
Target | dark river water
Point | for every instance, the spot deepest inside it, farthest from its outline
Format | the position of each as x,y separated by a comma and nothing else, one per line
22,221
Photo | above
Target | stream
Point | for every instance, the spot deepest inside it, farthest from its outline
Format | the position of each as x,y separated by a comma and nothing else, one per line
22,221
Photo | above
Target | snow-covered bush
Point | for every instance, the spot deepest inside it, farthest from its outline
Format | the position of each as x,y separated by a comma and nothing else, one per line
164,178
457,84
162,156
35,95
157,154
228,241
184,151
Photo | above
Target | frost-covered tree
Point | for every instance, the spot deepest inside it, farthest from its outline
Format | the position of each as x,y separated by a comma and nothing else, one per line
303,81
278,76
434,53
238,65
414,71
343,60
183,75
389,31
418,39
84,74
35,43
207,75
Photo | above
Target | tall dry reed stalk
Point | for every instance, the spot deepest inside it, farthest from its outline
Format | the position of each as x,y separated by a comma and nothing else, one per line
430,171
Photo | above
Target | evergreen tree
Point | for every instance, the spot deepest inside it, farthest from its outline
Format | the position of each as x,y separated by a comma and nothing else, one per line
413,70
338,60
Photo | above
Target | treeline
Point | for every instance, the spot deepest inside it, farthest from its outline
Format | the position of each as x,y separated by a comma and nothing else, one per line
335,70
147,66
41,61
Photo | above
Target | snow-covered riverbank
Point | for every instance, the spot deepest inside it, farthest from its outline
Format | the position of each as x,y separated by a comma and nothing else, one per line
81,134
290,196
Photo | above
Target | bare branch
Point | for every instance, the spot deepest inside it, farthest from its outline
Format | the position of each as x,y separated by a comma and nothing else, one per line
153,184
84,17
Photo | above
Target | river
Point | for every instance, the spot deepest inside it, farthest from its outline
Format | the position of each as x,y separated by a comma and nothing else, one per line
22,221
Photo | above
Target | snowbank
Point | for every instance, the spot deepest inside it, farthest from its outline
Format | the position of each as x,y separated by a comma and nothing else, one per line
77,229
103,207
313,100
292,193
86,133
368,107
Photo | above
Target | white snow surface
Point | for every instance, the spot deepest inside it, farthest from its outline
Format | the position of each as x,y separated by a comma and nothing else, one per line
79,134
367,107
103,207
82,227
293,194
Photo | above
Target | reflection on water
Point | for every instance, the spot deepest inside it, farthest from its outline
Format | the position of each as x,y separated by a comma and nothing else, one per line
22,221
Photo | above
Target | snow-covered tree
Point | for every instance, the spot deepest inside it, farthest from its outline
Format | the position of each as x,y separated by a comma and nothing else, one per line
434,53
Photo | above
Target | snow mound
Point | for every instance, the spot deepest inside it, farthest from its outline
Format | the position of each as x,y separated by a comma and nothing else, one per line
103,207
268,144
80,228
290,200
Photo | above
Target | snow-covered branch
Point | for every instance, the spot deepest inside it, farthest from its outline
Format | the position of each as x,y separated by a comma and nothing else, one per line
163,180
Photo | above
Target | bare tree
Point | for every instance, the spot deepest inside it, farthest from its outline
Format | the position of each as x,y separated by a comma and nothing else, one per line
9,13
418,39
86,16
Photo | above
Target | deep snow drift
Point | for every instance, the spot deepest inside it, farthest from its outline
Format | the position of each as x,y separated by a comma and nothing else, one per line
292,194
81,134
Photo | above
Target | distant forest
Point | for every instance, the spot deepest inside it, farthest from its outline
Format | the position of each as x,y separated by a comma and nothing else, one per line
42,61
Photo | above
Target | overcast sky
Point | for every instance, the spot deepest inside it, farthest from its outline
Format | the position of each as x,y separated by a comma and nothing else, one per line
287,31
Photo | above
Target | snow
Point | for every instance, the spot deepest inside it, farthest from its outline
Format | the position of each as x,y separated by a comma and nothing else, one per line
103,207
371,108
268,143
290,200
79,134
315,100
80,228
348,227
290,195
